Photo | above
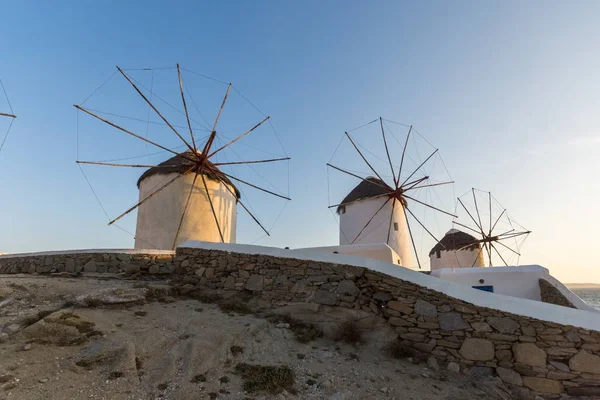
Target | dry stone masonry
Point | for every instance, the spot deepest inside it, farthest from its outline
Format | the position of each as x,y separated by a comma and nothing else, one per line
546,357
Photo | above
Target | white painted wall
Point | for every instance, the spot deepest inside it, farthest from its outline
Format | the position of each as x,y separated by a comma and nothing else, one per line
376,251
358,214
581,318
159,217
465,258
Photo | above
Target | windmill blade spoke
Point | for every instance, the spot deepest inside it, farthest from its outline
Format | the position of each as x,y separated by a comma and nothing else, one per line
419,167
514,235
412,239
222,106
430,206
359,177
154,108
502,244
402,159
391,220
355,201
463,206
426,230
478,254
131,133
387,151
369,221
212,208
505,233
187,115
487,249
363,157
470,244
500,255
7,115
239,137
431,185
254,186
490,201
187,203
468,227
245,208
412,184
254,161
498,219
150,195
477,209
122,165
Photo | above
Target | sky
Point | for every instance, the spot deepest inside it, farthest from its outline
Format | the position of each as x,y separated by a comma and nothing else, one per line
508,91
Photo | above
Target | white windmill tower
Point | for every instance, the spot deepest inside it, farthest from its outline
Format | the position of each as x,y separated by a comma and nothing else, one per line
457,249
378,212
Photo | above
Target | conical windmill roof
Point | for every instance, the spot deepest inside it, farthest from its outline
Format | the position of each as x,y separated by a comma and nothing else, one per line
370,187
454,240
178,164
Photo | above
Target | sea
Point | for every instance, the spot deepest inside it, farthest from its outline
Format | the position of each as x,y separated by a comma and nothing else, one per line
589,295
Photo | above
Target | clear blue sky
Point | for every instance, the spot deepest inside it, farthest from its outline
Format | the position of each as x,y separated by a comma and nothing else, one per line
509,91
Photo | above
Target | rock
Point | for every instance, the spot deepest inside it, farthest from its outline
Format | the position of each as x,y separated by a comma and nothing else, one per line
425,309
27,347
395,321
573,337
481,327
585,362
452,321
112,296
477,349
200,271
560,366
433,363
543,385
382,296
509,376
481,371
503,325
560,376
255,283
325,297
4,337
154,269
584,391
503,355
209,273
43,380
347,287
90,266
528,330
130,268
453,367
100,352
229,282
69,265
529,354
400,307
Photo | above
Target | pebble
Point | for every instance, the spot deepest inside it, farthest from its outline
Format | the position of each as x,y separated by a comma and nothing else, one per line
384,390
27,347
43,380
282,325
453,367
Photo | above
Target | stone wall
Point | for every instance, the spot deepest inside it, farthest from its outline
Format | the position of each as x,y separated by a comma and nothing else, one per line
552,295
97,262
546,357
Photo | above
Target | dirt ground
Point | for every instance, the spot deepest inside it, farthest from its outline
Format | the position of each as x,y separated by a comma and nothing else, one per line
91,338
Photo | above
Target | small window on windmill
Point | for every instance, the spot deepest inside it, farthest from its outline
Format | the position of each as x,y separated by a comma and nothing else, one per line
395,226
342,209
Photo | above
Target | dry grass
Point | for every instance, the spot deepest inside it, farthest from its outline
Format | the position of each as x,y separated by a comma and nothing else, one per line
206,297
303,332
232,306
349,332
266,378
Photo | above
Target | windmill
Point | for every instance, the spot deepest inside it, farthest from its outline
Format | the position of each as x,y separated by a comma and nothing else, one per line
10,116
390,195
495,231
189,196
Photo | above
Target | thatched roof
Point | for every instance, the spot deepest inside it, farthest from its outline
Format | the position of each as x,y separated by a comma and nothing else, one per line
454,240
178,164
370,187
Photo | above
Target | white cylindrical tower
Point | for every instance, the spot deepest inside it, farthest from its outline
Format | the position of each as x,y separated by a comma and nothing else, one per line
159,217
362,223
457,249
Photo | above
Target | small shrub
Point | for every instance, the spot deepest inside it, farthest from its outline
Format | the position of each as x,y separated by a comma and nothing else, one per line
198,378
399,350
270,379
349,332
206,297
235,350
235,307
303,332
